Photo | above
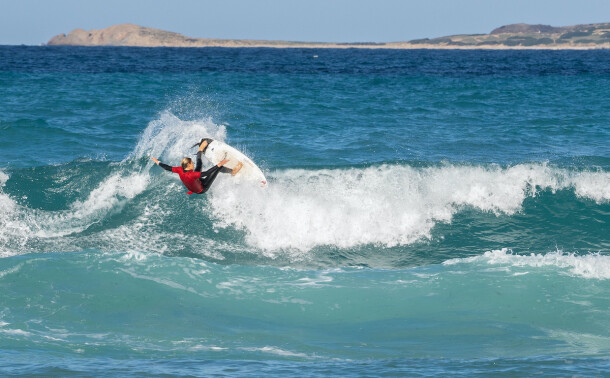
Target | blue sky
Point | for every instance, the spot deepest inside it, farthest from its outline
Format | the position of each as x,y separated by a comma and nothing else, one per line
33,22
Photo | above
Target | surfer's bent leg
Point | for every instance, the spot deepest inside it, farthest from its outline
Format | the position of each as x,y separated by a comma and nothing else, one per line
199,162
208,177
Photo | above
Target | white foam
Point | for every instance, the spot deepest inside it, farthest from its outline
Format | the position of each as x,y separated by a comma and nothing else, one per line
595,265
387,205
593,185
13,228
3,178
170,138
15,332
10,271
291,300
278,352
110,195
207,348
162,281
107,194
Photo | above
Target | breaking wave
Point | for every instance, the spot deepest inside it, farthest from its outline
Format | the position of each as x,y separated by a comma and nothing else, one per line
136,207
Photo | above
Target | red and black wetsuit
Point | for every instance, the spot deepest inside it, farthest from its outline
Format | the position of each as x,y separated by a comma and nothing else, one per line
196,181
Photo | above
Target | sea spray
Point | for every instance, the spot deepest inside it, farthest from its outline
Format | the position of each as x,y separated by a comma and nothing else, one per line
169,137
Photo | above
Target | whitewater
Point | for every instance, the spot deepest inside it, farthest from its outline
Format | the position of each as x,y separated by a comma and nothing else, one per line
427,213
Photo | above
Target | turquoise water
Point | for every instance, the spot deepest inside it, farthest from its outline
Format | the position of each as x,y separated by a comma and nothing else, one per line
427,213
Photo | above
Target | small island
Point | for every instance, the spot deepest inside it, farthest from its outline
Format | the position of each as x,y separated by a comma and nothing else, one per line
515,36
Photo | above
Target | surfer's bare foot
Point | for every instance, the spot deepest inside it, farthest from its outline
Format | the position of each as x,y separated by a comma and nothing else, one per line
203,145
237,168
225,161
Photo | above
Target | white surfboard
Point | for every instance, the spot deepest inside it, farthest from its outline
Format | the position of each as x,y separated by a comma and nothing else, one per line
218,151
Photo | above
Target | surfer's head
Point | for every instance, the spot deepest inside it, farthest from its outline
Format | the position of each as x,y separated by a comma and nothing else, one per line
187,164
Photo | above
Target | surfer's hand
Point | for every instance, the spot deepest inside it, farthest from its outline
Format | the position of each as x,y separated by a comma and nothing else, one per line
203,145
155,160
225,161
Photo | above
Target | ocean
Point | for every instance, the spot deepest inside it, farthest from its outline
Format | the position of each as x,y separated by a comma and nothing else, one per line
427,213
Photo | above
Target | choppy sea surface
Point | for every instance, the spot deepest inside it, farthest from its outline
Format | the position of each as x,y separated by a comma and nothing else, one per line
427,213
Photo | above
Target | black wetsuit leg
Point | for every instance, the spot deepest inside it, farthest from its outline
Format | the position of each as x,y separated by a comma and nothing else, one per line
208,177
199,162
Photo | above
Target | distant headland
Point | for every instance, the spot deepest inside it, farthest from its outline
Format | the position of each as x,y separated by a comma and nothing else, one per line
515,36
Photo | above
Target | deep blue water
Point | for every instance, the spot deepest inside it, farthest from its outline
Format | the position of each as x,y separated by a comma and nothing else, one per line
427,213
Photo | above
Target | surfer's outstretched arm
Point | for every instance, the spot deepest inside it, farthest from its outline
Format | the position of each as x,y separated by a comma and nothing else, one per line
162,165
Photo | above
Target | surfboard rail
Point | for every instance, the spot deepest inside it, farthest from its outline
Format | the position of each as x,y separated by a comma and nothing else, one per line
217,151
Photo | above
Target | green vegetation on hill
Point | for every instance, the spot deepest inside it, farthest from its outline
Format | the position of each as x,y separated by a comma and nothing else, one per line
594,35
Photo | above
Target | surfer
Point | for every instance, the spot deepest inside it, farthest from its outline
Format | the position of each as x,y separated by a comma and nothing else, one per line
192,177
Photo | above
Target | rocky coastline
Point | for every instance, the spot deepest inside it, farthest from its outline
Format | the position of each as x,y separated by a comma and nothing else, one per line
515,36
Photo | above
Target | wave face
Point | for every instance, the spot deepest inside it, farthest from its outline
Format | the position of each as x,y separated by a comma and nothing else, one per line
427,213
